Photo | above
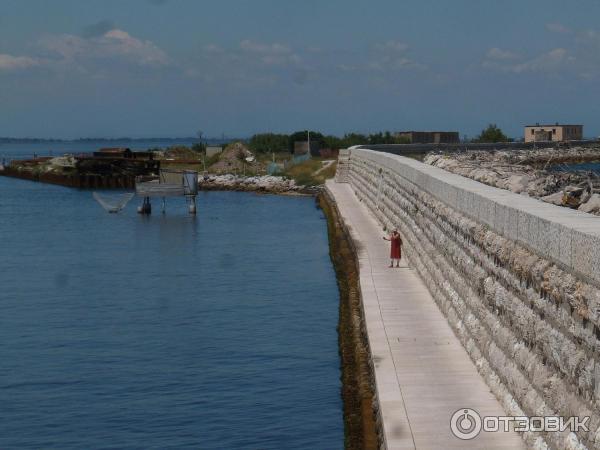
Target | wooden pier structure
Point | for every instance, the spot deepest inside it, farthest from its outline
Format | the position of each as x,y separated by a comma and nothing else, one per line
169,183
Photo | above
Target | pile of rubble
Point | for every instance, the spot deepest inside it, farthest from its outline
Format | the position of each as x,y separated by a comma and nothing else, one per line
531,172
60,163
264,183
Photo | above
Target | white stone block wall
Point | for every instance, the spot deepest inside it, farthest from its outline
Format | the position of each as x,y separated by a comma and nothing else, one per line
517,279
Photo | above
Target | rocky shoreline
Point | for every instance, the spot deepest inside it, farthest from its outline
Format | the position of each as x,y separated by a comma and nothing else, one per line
531,172
268,184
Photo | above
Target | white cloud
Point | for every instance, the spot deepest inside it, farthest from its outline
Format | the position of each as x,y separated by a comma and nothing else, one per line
589,37
249,63
145,52
257,47
114,44
13,63
391,63
588,75
347,67
393,46
577,55
280,62
547,62
506,61
273,54
392,55
98,28
500,55
67,46
212,48
557,28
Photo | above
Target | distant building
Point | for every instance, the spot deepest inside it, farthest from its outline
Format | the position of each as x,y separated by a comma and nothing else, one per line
430,137
553,133
212,151
301,148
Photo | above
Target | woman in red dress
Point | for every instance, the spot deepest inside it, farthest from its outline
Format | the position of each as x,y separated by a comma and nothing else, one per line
396,248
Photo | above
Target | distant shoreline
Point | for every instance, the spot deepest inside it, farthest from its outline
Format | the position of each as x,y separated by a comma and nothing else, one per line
12,140
264,184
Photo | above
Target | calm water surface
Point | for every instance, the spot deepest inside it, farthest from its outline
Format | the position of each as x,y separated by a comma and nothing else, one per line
593,167
119,331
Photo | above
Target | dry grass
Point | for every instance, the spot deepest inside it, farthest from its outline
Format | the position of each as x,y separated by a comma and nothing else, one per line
305,174
175,165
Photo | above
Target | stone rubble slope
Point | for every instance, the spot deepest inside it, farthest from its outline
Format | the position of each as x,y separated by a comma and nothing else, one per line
265,183
527,172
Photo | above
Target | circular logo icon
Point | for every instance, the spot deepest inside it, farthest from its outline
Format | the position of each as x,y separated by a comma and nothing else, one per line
465,424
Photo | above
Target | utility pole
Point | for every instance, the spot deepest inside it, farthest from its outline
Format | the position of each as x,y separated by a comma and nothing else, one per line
200,133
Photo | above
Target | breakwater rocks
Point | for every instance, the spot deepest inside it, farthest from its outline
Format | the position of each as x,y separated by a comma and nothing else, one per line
520,291
262,183
531,172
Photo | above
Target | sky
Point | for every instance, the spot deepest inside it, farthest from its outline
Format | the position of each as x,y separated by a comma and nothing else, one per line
157,68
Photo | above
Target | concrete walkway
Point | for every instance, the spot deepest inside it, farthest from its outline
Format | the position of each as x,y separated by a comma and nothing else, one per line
422,372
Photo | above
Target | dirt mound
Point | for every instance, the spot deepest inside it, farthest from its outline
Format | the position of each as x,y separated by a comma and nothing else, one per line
235,158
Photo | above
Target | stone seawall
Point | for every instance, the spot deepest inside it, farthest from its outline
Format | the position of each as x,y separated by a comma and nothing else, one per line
518,281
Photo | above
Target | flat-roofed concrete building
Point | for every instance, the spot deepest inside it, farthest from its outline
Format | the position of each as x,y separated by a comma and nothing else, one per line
553,133
430,137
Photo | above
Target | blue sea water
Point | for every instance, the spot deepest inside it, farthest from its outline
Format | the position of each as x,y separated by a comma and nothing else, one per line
593,167
168,331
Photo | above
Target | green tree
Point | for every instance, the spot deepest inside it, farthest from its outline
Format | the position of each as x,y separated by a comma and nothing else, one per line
351,139
269,142
333,142
384,138
199,147
401,140
315,136
492,134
